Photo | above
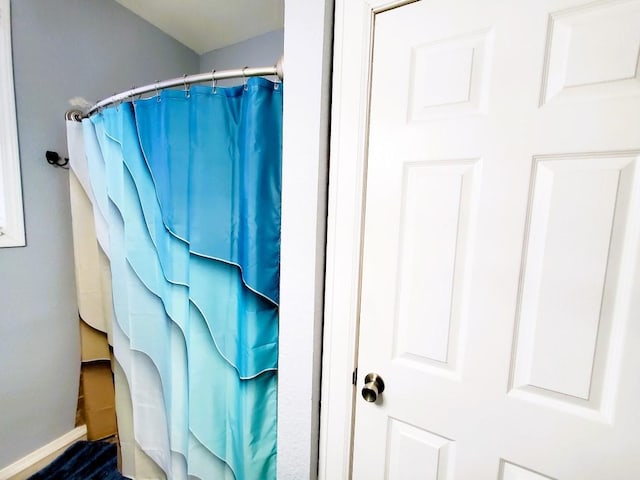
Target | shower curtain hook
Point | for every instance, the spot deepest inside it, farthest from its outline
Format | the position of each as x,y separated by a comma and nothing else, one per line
213,80
157,91
244,78
279,73
117,103
186,88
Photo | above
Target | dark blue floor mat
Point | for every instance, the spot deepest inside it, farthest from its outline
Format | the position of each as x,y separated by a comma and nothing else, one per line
83,461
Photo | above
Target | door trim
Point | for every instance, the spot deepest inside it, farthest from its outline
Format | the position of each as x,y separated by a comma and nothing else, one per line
353,46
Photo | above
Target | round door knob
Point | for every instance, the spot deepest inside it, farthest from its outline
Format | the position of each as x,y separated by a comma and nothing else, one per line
373,387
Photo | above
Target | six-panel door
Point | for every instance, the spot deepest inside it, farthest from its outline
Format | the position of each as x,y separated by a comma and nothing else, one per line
500,289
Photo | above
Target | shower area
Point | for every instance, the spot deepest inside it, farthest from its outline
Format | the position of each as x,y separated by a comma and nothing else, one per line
168,242
175,202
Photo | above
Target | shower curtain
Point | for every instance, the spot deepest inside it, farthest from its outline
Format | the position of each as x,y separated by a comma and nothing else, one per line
184,190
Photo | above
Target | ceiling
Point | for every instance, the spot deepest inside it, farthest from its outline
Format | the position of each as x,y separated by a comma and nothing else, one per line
205,25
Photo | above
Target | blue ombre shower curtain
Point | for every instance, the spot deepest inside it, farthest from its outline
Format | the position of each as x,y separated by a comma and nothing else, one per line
188,186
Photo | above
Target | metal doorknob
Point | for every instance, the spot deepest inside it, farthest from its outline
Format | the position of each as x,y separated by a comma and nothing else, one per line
373,387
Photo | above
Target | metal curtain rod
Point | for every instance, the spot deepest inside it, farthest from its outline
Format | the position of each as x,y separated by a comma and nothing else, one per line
277,69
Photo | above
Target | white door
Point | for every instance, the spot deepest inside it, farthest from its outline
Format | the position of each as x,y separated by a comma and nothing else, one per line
501,263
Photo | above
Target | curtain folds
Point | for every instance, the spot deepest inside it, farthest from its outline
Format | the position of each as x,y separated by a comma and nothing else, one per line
185,195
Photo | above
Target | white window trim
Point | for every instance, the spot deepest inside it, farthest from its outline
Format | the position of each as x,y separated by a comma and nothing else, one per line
12,233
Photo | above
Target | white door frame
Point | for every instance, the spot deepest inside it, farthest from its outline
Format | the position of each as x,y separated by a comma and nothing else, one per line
353,33
307,51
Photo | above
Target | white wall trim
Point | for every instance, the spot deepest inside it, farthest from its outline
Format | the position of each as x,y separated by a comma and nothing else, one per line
41,457
308,31
354,20
11,210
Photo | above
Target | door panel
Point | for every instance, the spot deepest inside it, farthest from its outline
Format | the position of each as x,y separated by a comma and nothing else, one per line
434,238
574,250
501,245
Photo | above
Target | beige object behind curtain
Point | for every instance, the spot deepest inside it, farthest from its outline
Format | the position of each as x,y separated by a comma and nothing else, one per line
93,276
97,382
135,463
87,260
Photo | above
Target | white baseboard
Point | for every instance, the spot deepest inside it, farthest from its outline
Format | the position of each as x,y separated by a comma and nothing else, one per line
40,458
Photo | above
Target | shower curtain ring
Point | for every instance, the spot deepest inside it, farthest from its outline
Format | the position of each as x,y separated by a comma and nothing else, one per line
186,88
244,78
157,91
213,80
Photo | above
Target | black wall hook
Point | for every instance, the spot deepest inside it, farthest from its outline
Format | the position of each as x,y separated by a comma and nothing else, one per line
53,158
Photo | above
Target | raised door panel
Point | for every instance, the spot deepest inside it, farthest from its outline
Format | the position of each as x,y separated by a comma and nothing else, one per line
592,51
416,453
436,228
575,245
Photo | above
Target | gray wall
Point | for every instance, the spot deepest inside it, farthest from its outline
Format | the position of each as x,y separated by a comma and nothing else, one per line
62,49
259,51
